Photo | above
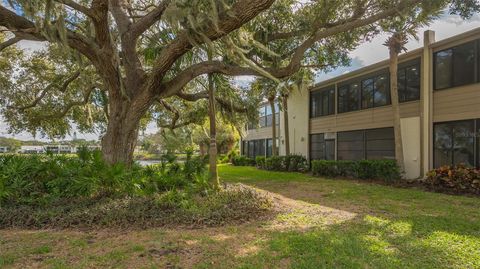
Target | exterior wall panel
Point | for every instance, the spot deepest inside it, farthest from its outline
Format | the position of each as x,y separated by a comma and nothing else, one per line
363,119
260,133
456,103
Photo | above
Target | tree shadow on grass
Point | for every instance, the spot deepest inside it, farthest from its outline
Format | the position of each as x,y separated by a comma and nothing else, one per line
417,230
367,242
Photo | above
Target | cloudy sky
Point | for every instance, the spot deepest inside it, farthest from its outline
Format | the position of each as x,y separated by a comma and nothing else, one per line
364,55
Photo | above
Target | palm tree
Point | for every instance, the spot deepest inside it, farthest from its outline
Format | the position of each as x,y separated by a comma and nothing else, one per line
285,122
396,44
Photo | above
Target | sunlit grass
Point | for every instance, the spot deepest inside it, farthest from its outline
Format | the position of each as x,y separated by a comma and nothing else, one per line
327,223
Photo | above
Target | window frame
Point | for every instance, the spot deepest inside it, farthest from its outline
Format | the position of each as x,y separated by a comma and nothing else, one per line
364,141
348,87
318,97
404,66
475,146
476,79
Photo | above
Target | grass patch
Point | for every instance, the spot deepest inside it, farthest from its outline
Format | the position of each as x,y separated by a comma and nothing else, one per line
324,223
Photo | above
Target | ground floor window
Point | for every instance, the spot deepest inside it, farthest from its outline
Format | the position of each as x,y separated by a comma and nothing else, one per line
269,147
456,142
321,148
371,144
258,147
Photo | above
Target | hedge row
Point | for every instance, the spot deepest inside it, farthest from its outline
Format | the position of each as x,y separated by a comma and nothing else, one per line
290,163
243,161
365,169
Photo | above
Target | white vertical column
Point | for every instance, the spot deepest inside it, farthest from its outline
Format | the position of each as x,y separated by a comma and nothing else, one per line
426,96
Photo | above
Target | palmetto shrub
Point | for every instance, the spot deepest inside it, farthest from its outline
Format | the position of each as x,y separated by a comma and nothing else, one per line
53,191
39,179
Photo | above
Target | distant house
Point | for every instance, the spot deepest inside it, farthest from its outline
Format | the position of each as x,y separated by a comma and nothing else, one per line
60,149
4,149
32,149
94,147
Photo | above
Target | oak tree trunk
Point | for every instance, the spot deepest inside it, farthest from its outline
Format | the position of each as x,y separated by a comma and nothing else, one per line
285,122
396,109
118,143
212,157
120,139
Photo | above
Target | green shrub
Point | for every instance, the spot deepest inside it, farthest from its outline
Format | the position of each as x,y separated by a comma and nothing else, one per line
243,161
291,163
459,178
260,162
42,179
295,163
276,163
365,169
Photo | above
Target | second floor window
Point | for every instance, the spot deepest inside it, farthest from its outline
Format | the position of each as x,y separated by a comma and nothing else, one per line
265,117
349,97
409,83
375,91
457,66
322,103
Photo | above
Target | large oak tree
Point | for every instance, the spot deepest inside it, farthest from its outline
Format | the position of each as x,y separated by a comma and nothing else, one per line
129,56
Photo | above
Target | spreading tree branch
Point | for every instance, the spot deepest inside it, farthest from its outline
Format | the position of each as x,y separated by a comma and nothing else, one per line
76,6
9,42
241,12
145,22
183,78
44,92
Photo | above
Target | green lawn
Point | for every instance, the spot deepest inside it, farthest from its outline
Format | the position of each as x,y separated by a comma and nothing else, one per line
322,223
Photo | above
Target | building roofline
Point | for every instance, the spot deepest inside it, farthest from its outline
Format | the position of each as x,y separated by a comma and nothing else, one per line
360,71
401,58
455,38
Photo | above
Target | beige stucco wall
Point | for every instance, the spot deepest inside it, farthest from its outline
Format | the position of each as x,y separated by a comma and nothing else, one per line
298,116
411,146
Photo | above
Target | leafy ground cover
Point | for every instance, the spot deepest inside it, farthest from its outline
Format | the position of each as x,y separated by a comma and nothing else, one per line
320,223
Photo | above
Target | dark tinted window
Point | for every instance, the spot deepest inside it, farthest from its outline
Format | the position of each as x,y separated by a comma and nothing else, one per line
322,103
251,149
367,93
464,64
381,91
348,98
269,147
380,143
456,66
265,117
260,147
443,69
369,144
409,83
245,148
317,147
350,145
454,143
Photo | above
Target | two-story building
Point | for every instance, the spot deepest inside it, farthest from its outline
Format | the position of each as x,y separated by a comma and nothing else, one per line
350,117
